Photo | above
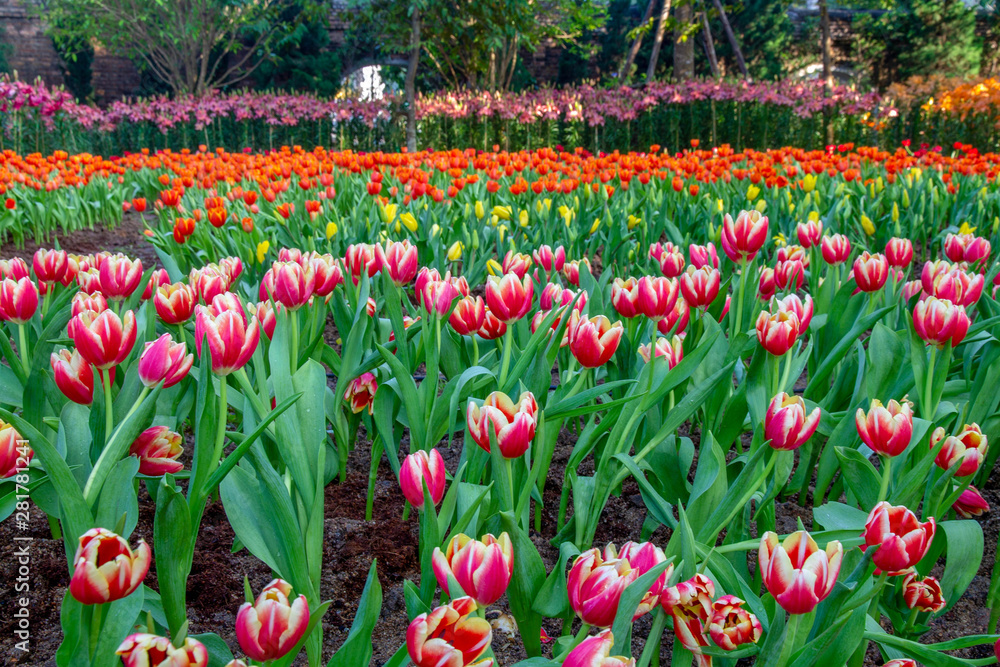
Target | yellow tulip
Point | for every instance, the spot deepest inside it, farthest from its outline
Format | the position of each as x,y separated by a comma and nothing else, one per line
597,225
263,247
435,230
809,183
503,212
966,229
719,205
455,251
409,221
331,230
813,216
494,267
634,222
879,184
791,208
780,241
752,192
523,217
895,212
389,213
996,224
906,199
503,232
761,205
867,225
480,210
494,220
567,213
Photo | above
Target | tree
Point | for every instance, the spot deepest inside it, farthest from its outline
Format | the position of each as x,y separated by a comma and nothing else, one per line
191,45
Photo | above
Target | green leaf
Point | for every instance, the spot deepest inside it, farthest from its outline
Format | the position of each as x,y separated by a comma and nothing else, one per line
173,541
830,360
627,605
710,481
219,654
965,554
120,617
357,648
527,580
860,475
118,498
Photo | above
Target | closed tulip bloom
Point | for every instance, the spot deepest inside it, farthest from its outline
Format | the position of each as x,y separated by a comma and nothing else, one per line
145,650
492,327
596,652
671,261
677,320
270,627
482,568
743,238
164,361
787,424
642,557
655,251
361,393
656,296
777,332
156,279
425,275
516,263
105,568
594,341
703,255
871,271
509,297
625,297
293,285
923,594
175,303
449,636
468,315
103,339
89,281
554,296
73,375
94,302
15,269
803,309
595,587
700,286
50,266
796,572
899,252
230,341
15,453
437,297
836,249
266,314
766,287
18,300
236,663
912,288
363,258
957,286
512,424
970,503
550,260
969,447
227,302
901,662
399,260
158,449
233,267
789,274
327,273
932,272
901,538
571,270
966,248
886,429
731,626
938,322
210,281
810,233
120,276
672,349
420,467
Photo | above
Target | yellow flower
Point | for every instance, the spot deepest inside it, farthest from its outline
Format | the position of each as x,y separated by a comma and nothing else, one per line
503,212
813,216
879,184
331,230
966,229
523,217
809,183
761,205
494,220
906,199
597,225
791,208
389,213
503,232
435,230
719,205
752,192
264,246
455,251
895,212
780,241
996,224
494,267
567,213
634,221
867,225
480,210
409,221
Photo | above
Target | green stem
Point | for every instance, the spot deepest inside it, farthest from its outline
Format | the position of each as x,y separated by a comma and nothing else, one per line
475,350
96,622
580,636
886,476
509,464
738,322
911,621
138,402
23,349
789,644
377,448
929,385
776,380
220,433
654,638
294,315
505,364
109,410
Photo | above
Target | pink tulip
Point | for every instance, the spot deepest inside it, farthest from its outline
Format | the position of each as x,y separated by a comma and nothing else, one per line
778,332
550,260
420,467
939,322
625,297
120,276
810,233
596,652
174,303
449,636
293,284
360,393
103,339
923,594
509,297
643,557
594,341
512,424
230,341
836,249
887,430
106,569
969,447
700,286
18,300
437,297
93,302
157,449
901,538
164,361
15,452
516,263
899,252
970,503
796,572
270,627
731,626
871,271
399,260
595,587
146,650
787,425
482,568
743,238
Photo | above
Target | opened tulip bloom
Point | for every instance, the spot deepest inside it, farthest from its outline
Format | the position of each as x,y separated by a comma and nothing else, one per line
939,322
516,263
970,447
886,429
18,300
164,361
360,393
732,626
743,238
482,568
419,468
787,425
796,572
270,627
594,341
901,538
158,449
596,652
103,339
74,376
509,297
923,594
642,557
106,569
230,341
147,650
449,636
15,452
511,424
595,587
363,258
689,603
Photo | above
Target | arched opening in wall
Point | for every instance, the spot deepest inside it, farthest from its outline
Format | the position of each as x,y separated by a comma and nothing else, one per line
366,84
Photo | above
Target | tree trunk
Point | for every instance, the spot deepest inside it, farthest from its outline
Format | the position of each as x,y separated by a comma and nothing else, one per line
824,22
411,82
661,29
740,62
713,60
683,45
626,71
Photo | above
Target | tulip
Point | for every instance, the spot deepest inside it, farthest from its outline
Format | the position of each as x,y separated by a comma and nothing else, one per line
103,339
970,503
363,258
911,289
901,662
437,297
265,312
270,627
957,286
326,272
236,663
15,453
211,280
492,328
969,447
424,276
886,430
731,626
449,636
156,279
164,361
120,276
656,297
796,572
293,285
656,250
399,259
966,248
157,449
690,605
625,297
227,302
777,333
672,349
786,424
15,268
677,320
571,270
361,393
513,425
51,266
703,255
468,315
550,260
793,253
899,252
803,309
94,302
145,650
871,271
810,233
554,296
594,341
73,375
509,297
105,568
482,568
596,652
230,340
767,286
516,263
923,594
939,321
643,557
743,238
233,267
175,303
18,300
789,274
671,261
700,286
595,587
901,539
836,249
932,272
418,468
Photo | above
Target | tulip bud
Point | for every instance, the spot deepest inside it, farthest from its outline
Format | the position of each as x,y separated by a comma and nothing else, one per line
625,297
73,375
400,261
777,333
509,297
767,285
939,321
15,453
468,315
18,300
700,286
671,261
165,361
836,249
120,276
420,467
174,303
482,568
901,662
731,626
810,233
594,341
899,252
293,284
158,449
105,568
887,430
449,636
513,425
270,627
871,271
703,255
103,339
361,392
970,503
595,587
923,594
146,650
230,341
796,572
901,539
786,425
596,652
969,447
743,238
